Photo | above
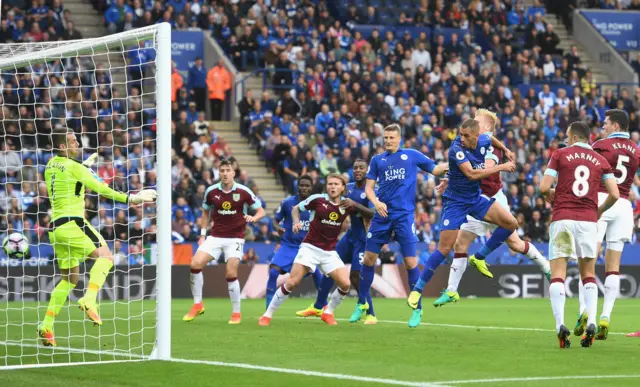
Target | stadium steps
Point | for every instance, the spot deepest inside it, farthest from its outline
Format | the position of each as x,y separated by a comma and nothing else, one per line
566,41
253,83
268,188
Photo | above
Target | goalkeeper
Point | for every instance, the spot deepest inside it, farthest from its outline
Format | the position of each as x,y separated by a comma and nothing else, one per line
72,237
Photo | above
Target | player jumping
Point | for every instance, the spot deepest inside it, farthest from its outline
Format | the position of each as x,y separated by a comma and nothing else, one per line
395,172
283,259
318,247
491,187
615,225
351,246
73,238
573,233
228,203
463,197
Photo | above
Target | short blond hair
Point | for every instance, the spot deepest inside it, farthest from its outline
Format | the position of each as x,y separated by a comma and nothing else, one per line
488,114
340,177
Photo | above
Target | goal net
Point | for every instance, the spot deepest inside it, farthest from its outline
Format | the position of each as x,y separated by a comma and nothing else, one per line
113,92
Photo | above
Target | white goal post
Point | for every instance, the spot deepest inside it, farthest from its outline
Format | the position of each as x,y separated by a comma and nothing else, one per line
136,323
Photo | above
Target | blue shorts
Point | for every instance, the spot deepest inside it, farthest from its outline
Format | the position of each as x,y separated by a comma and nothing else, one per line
284,257
454,213
403,228
351,251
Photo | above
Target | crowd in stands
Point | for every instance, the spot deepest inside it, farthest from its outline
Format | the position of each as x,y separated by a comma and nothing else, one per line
333,88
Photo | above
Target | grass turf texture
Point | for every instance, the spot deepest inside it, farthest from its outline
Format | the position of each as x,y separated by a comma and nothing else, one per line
390,350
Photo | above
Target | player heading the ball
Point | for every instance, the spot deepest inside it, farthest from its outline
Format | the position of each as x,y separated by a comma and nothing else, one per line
73,238
318,249
573,233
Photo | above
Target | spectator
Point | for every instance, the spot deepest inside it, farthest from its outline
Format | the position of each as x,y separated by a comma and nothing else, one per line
328,164
176,81
197,84
293,167
116,14
537,229
218,83
250,257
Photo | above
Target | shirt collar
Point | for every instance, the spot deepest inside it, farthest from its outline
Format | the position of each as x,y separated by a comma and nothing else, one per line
582,145
619,135
233,187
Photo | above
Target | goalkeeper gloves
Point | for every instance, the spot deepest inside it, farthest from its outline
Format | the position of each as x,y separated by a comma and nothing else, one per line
144,196
90,160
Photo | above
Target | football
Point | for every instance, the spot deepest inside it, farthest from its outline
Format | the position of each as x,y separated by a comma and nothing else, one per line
15,245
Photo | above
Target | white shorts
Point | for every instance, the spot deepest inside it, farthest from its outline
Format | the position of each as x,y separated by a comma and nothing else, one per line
311,256
617,222
479,227
573,239
231,247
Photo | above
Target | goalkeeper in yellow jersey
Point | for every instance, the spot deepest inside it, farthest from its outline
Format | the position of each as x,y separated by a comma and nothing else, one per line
72,237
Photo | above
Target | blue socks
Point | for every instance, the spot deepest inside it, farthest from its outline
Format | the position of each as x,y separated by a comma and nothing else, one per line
317,279
323,292
366,279
499,236
414,276
432,264
272,284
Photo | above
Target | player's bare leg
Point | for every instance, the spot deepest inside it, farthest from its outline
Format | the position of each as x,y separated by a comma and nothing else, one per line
506,223
611,286
527,249
298,272
233,285
59,297
97,276
367,275
198,262
458,267
558,298
341,277
587,273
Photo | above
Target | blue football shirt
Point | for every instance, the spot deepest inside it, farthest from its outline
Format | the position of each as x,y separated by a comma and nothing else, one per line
396,174
357,230
283,215
461,188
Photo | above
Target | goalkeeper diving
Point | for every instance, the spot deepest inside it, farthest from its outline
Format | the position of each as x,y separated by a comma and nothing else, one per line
72,237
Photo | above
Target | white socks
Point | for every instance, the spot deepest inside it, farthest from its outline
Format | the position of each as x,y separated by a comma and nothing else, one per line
281,295
591,299
583,305
234,294
611,291
534,255
557,296
336,298
458,266
197,282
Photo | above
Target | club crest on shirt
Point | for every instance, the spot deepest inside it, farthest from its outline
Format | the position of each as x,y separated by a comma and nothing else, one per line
341,211
404,157
236,197
482,150
460,155
363,195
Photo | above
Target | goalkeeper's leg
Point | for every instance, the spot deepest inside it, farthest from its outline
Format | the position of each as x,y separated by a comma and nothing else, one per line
58,299
97,277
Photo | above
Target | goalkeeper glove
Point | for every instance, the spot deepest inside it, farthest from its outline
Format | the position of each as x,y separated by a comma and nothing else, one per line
90,160
144,196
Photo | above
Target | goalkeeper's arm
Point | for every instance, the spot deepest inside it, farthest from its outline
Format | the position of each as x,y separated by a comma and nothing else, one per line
90,181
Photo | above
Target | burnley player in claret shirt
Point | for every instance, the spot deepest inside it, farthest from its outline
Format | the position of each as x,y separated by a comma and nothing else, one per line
318,249
573,233
228,203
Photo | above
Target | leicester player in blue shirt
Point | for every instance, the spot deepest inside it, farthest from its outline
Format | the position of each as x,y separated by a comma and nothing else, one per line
463,197
395,172
283,259
351,246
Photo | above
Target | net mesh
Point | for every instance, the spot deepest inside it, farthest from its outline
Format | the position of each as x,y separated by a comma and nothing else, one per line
104,90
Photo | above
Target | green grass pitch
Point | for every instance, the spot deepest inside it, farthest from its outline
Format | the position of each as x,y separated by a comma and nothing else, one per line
474,340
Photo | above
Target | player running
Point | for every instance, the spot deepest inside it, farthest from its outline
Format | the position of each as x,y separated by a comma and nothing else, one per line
73,238
283,259
351,246
463,197
615,225
228,203
395,172
573,233
328,212
491,187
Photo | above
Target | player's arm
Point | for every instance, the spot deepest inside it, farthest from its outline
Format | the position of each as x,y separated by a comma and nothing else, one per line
479,174
281,213
610,184
84,175
426,164
365,212
369,190
549,179
204,225
500,145
254,204
295,219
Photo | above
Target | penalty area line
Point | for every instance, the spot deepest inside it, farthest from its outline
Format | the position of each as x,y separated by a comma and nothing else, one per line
534,379
326,375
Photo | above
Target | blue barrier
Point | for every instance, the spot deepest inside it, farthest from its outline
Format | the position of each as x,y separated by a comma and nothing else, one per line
620,29
186,46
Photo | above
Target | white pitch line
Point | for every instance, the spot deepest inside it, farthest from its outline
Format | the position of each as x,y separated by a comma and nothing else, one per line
63,350
51,365
535,379
313,373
